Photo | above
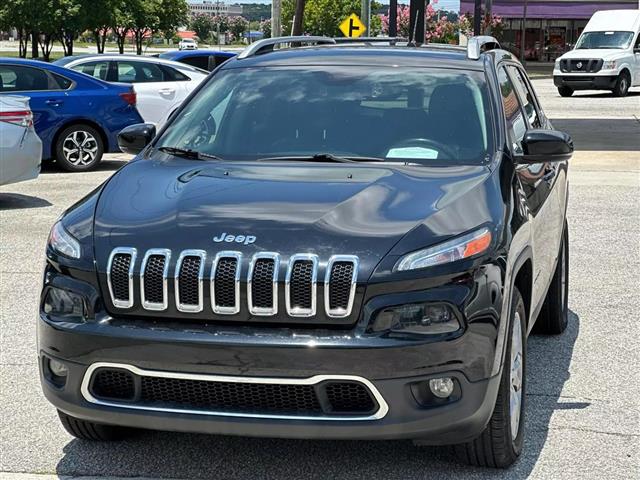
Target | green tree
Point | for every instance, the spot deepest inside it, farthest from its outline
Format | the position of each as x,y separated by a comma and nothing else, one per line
172,14
69,18
25,16
202,24
322,17
237,26
99,18
122,22
145,20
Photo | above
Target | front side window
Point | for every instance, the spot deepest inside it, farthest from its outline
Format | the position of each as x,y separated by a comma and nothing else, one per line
516,125
18,78
98,69
139,72
418,115
590,40
526,97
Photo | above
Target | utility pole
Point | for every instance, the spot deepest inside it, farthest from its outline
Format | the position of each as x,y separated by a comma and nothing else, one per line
298,18
488,8
276,18
416,21
477,17
523,33
365,16
393,18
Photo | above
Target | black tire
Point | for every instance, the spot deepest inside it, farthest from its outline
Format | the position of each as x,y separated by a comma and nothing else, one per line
565,91
496,446
79,148
92,431
554,316
622,84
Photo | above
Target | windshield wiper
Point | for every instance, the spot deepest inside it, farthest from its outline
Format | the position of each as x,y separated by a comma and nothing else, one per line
322,157
188,153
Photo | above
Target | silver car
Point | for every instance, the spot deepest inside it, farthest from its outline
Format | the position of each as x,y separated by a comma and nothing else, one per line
20,146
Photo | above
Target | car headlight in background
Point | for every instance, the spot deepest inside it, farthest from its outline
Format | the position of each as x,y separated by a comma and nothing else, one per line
457,249
609,65
64,304
418,319
62,242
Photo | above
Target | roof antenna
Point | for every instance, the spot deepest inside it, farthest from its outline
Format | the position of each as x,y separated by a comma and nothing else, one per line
412,37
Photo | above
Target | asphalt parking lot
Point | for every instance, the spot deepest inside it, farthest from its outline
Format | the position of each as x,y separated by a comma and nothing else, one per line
583,398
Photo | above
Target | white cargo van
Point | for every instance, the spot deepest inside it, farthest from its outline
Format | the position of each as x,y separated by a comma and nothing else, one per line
606,56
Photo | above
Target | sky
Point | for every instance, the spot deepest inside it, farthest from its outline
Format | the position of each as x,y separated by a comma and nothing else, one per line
443,4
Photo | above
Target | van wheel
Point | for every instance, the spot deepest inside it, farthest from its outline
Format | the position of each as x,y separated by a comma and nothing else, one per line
500,444
565,91
554,316
79,148
622,85
92,431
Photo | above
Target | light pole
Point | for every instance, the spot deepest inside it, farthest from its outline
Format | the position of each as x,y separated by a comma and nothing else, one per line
365,15
276,18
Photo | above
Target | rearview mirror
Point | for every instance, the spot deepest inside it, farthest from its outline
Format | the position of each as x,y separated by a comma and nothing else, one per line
540,146
134,138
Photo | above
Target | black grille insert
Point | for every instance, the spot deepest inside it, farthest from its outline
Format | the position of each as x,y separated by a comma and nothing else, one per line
301,284
120,265
330,397
340,286
115,384
225,282
189,280
262,283
349,397
153,279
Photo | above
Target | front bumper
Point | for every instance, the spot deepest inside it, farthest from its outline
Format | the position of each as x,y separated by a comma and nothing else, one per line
585,82
391,368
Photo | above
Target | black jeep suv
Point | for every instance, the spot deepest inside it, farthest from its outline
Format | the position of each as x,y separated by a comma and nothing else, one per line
345,241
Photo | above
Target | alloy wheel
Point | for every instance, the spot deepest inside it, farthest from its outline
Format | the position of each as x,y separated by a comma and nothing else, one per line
515,398
80,148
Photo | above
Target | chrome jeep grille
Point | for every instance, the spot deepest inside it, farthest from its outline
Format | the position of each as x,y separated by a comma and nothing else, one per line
224,274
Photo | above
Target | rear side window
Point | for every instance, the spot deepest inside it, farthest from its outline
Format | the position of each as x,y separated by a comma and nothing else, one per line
18,78
516,124
173,75
63,82
98,69
526,97
200,62
139,72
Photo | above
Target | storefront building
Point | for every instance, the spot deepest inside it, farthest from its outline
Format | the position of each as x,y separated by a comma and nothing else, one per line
552,26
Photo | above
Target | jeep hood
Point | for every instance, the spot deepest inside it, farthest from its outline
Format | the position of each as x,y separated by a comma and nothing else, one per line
327,209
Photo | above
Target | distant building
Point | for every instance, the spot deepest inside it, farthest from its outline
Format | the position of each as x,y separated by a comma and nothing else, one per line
552,26
213,7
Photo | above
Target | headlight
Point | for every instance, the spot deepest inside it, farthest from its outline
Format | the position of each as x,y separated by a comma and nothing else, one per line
457,249
63,243
609,65
65,304
418,319
557,64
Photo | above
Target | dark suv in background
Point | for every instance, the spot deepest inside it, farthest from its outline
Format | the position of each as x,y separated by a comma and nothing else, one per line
344,241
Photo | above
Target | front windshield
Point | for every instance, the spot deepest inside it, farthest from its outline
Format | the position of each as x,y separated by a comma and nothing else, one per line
417,115
590,40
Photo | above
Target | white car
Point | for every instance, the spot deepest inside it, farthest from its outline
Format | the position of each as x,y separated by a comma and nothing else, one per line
606,56
187,44
160,85
20,146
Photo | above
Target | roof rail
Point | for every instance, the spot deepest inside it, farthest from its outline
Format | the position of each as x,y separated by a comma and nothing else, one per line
480,44
367,40
268,44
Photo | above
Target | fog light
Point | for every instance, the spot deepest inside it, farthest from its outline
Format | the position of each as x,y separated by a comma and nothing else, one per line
64,303
419,318
59,369
441,387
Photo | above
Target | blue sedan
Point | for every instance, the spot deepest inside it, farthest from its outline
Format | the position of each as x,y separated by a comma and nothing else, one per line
205,59
76,116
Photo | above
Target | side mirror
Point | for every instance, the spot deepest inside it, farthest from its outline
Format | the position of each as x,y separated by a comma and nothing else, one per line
540,146
134,138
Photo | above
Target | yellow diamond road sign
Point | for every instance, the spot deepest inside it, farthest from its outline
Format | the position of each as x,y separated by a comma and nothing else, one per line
352,26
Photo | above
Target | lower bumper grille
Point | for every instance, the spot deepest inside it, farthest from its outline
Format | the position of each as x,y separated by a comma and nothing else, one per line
316,398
